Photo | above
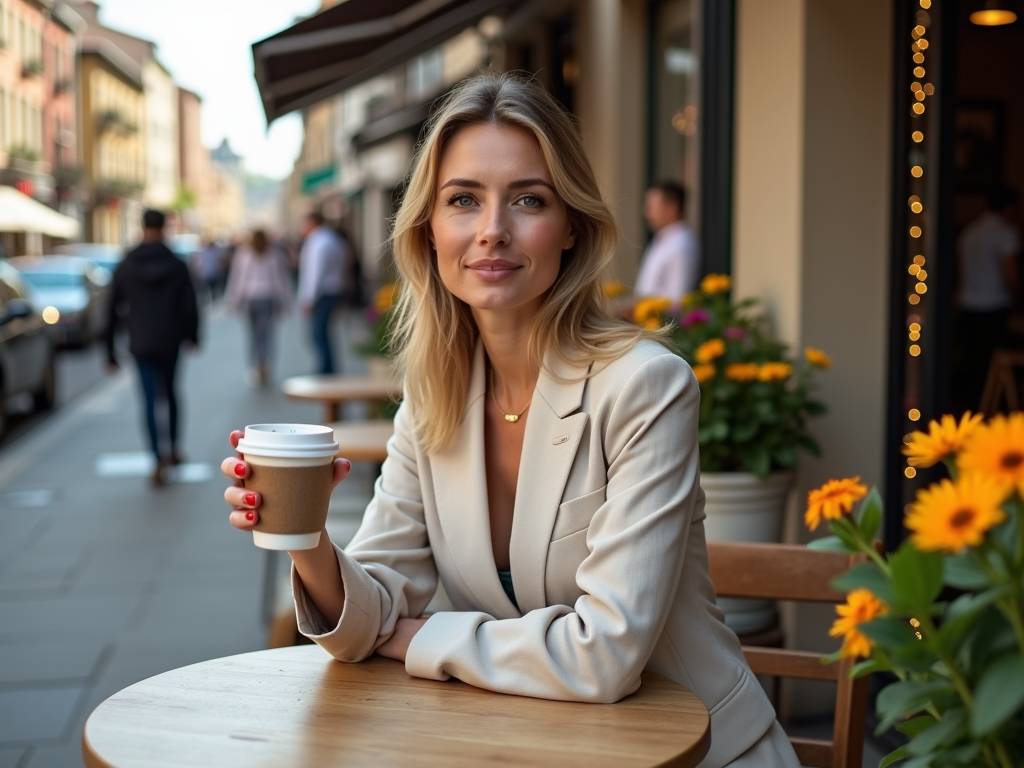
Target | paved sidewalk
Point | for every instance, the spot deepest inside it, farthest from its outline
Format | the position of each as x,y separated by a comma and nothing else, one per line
105,581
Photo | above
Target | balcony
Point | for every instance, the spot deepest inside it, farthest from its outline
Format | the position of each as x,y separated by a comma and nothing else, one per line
114,121
32,68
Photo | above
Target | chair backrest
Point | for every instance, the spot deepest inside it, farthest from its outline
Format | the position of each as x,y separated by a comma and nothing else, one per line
785,572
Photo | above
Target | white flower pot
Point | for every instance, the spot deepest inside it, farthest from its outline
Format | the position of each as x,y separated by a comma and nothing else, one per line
742,507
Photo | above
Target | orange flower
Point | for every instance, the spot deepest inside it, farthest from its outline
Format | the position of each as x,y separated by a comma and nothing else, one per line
817,358
710,350
833,500
614,288
385,298
716,284
861,607
775,372
944,438
948,516
650,307
742,371
653,324
703,372
996,449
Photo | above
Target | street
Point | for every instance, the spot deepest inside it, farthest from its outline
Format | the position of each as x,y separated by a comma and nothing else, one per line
104,580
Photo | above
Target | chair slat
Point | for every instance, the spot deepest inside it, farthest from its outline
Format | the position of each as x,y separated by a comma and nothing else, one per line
784,572
778,662
813,753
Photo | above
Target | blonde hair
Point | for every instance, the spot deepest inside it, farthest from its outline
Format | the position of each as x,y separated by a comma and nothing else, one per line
435,334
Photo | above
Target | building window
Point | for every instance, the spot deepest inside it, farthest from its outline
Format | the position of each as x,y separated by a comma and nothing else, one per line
424,74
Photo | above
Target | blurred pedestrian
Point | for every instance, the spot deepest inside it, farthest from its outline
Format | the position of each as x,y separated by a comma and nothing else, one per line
987,248
321,283
154,296
210,267
259,285
670,264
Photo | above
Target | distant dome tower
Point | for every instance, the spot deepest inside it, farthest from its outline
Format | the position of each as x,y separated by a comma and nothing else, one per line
225,157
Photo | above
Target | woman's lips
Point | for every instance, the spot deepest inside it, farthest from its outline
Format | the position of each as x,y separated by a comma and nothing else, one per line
493,271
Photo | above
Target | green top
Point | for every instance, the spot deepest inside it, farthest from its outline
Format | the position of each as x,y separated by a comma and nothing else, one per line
506,583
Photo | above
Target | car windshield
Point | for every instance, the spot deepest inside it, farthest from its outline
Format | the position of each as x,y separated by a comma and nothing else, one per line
49,279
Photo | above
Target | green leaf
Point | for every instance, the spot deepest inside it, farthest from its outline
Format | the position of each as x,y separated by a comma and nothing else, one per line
898,700
809,445
867,576
841,528
870,515
863,668
894,757
951,727
831,544
964,610
910,728
963,755
964,572
920,762
999,694
916,576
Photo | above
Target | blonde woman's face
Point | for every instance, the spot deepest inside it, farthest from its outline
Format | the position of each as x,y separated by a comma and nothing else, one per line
498,226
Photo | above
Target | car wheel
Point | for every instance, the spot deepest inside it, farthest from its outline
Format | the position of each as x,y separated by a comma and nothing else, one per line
46,396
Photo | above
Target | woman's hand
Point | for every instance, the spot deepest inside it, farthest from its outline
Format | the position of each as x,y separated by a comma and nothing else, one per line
397,645
245,503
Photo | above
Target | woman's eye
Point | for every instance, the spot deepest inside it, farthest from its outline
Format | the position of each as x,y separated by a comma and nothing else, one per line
461,201
531,201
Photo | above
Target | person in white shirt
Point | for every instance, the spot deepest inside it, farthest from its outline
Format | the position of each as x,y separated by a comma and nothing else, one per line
987,251
671,264
259,286
321,282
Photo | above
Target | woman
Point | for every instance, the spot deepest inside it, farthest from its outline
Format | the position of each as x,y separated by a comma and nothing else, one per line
259,286
544,463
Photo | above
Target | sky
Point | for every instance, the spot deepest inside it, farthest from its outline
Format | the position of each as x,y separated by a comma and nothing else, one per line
206,46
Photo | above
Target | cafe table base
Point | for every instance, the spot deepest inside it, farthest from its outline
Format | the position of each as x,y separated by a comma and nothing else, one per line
296,707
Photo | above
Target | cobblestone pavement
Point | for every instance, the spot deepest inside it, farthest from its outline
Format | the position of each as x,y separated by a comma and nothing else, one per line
105,581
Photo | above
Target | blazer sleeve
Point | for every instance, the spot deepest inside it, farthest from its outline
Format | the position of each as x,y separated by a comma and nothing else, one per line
595,650
388,569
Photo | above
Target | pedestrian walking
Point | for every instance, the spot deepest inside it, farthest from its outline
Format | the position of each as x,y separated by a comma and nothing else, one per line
210,265
260,287
670,264
154,296
321,283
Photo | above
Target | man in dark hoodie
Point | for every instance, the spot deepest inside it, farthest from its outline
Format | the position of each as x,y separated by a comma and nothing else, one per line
154,296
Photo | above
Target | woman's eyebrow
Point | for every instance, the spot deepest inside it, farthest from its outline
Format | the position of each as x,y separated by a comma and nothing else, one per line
519,184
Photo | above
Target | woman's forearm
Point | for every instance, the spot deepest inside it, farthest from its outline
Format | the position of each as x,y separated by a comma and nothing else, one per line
321,578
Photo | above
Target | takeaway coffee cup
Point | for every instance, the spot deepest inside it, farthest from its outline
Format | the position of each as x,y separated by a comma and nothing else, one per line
292,468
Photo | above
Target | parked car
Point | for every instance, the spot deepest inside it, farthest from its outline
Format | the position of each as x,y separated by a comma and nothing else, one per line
27,348
106,255
74,288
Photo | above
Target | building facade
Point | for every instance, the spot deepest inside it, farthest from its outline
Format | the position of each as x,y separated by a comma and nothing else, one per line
193,161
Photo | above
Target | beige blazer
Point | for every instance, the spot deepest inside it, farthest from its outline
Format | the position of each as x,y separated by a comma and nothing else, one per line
608,555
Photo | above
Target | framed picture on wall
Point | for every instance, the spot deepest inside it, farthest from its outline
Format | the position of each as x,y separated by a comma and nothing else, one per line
978,145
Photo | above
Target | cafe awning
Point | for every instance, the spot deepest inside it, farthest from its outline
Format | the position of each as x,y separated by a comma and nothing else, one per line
20,213
352,42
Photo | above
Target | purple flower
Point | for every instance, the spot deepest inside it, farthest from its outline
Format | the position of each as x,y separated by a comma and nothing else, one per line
734,333
696,316
372,315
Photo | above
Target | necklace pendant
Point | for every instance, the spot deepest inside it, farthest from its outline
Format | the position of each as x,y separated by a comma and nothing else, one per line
511,417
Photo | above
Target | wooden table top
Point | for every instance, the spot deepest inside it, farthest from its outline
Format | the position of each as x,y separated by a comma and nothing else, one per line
295,707
363,440
341,388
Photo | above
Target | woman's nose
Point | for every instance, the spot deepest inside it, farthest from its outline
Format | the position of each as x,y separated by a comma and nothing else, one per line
493,226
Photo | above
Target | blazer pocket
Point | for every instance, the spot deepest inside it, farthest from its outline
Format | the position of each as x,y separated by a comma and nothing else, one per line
576,514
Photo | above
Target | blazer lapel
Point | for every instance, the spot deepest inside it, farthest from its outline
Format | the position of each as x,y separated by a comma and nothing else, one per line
554,428
460,487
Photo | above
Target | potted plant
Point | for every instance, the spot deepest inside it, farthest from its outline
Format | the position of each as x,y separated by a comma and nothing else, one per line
379,319
944,614
755,404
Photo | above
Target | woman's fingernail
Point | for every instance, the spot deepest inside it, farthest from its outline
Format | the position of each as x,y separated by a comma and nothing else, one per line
250,499
250,516
240,470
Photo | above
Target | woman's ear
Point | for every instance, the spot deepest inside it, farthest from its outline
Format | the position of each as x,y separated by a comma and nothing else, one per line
570,239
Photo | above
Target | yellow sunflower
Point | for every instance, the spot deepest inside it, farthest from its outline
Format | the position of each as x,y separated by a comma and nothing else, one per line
704,372
861,607
385,298
996,449
742,371
775,372
710,350
612,289
817,358
653,324
716,284
650,307
944,438
950,516
833,500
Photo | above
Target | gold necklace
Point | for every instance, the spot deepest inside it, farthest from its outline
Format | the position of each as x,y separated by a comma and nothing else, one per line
509,417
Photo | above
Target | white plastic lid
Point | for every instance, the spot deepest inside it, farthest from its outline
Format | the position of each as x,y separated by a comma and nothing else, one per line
288,441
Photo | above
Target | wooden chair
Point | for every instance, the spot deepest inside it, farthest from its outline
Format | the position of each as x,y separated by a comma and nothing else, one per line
784,572
1001,382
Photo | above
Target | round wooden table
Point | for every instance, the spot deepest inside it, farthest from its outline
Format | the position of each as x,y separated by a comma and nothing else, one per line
334,389
296,707
363,440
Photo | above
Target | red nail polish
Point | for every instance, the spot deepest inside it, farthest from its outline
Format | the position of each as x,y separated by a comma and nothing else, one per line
240,470
250,499
250,516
